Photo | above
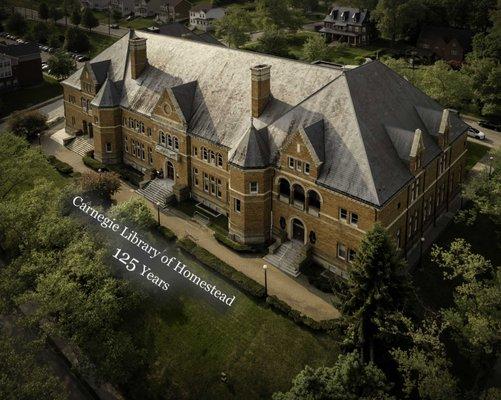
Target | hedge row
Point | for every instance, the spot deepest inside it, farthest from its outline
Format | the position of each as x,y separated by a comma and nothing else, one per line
166,233
127,173
324,325
226,241
93,163
60,166
243,281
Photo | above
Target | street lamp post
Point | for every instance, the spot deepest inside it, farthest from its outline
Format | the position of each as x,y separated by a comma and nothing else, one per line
158,213
491,158
40,141
265,268
421,252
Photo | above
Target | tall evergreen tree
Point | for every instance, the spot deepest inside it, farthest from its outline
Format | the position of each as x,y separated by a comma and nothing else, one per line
378,285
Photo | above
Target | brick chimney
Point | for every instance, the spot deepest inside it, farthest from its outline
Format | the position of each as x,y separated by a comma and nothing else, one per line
137,54
260,76
443,130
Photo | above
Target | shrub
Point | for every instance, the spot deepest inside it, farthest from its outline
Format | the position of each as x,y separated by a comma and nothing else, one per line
134,211
27,124
244,282
166,233
225,240
103,185
127,173
60,166
94,164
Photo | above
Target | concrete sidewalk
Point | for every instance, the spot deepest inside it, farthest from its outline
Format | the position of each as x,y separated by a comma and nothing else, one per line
299,296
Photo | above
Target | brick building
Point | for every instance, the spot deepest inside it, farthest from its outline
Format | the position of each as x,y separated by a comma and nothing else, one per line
20,65
347,25
450,44
307,154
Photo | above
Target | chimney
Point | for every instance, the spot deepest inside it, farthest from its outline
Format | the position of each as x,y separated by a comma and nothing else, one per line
443,130
137,54
260,75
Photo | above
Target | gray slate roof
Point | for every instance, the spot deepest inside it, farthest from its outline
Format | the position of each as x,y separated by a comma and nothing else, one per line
353,16
18,50
108,95
359,122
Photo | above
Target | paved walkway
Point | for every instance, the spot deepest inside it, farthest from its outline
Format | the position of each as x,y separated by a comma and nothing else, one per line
298,295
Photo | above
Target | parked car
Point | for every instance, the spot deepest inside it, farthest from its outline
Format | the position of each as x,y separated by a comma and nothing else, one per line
154,29
114,26
129,18
495,126
45,67
475,133
82,58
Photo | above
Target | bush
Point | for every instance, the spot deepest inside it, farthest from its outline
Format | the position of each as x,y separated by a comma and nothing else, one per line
225,240
166,233
245,283
94,164
127,173
27,124
134,211
103,185
60,166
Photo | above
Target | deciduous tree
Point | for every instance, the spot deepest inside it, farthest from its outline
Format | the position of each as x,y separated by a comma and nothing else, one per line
43,11
76,16
76,40
16,24
28,124
235,26
100,186
134,212
315,48
61,64
89,20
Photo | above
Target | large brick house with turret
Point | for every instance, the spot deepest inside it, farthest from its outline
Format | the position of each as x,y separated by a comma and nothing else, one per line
302,153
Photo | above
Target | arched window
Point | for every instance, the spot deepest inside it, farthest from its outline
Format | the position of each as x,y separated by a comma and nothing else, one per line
204,154
219,160
176,143
313,237
212,157
313,203
169,141
162,138
298,196
283,224
284,190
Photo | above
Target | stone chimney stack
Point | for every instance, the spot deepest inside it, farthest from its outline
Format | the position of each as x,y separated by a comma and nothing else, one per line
137,54
260,76
443,130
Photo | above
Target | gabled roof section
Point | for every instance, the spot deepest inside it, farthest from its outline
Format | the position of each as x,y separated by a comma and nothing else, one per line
407,143
313,137
184,95
253,151
108,96
100,70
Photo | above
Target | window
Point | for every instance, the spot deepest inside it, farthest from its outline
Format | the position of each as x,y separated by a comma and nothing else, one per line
195,151
108,147
169,141
218,187
253,187
409,230
343,214
176,143
130,123
291,163
307,168
206,183
143,155
299,166
126,144
133,144
219,160
148,131
162,138
205,154
150,155
354,219
351,255
212,157
313,237
341,251
237,205
142,127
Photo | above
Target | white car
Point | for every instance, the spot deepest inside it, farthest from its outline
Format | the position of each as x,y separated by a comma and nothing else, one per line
475,133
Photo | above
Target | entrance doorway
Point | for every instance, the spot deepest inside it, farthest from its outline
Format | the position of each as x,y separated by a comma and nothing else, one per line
91,130
297,230
84,127
170,171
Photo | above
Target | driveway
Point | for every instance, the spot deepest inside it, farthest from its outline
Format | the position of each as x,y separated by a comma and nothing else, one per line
492,138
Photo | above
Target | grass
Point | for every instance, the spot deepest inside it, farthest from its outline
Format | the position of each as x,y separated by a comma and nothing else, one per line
29,96
475,153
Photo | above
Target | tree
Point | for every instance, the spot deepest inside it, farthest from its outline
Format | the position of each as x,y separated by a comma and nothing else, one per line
100,185
22,376
76,40
423,366
348,379
76,16
61,64
116,15
55,13
398,19
43,11
315,48
40,32
377,285
484,192
16,24
273,41
28,124
134,212
234,27
277,13
89,20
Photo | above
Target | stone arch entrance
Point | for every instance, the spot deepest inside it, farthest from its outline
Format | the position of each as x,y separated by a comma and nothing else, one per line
297,230
170,171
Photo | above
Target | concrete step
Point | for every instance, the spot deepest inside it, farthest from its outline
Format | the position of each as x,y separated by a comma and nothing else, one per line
156,192
79,146
288,257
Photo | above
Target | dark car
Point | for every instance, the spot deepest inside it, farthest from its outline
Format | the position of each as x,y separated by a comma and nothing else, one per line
495,126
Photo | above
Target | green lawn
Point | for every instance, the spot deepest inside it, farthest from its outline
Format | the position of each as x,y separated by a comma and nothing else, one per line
475,153
27,97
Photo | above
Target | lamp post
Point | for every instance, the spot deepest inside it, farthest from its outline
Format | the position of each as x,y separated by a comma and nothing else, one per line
265,267
158,213
40,142
421,252
491,158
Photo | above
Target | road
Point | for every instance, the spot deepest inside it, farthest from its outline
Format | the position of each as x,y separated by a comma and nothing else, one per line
492,138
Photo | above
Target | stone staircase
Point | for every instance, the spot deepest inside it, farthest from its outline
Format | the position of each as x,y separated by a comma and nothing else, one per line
157,191
288,257
79,145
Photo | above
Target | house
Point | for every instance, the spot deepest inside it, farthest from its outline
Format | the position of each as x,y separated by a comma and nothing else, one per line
174,10
126,7
20,65
347,25
450,44
179,30
202,16
311,156
99,5
147,8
